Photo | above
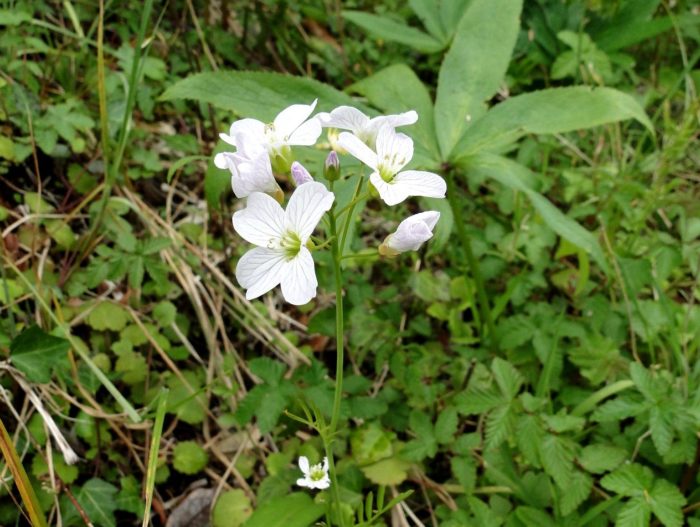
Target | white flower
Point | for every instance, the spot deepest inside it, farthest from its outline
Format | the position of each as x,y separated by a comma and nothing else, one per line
250,175
410,234
315,476
394,151
291,127
366,129
281,255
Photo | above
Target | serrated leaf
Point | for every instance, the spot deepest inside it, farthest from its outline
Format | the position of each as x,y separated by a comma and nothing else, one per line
34,352
661,426
464,469
601,458
667,503
446,425
507,377
477,401
557,456
629,480
531,517
232,509
635,513
529,437
576,492
500,424
269,370
189,458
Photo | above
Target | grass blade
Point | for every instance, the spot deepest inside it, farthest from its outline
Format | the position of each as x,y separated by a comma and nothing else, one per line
153,454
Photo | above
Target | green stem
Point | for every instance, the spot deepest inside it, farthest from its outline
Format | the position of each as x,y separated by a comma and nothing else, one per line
336,251
465,241
356,198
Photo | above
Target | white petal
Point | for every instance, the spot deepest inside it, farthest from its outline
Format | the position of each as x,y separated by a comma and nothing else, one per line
402,119
252,128
391,194
345,118
325,464
252,176
358,149
305,482
299,280
227,139
304,464
307,134
306,207
262,221
220,160
260,270
322,483
394,150
420,183
413,232
292,118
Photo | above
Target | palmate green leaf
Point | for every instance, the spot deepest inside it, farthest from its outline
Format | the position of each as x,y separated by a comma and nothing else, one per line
551,111
388,29
397,89
34,352
295,510
474,66
517,177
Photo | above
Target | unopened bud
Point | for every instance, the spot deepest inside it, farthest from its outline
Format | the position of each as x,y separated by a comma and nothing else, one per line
300,174
331,169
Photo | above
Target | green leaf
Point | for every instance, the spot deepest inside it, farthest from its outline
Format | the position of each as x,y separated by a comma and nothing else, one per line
635,513
397,89
35,353
261,95
446,425
507,377
108,316
189,457
232,509
294,510
390,471
667,503
551,111
425,9
269,370
97,498
474,66
7,148
557,456
576,492
601,458
531,517
629,480
516,177
385,28
13,17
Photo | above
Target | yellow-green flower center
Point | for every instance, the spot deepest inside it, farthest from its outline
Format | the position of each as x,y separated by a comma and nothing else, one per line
317,473
291,244
386,174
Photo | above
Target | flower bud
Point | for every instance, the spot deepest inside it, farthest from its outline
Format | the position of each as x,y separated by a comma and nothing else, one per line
410,234
281,160
299,174
331,168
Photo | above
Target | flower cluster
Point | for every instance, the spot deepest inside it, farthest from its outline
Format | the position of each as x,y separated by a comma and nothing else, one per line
263,153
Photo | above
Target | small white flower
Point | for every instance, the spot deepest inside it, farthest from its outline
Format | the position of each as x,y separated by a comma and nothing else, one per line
394,151
410,234
249,175
366,129
281,255
299,174
291,127
315,476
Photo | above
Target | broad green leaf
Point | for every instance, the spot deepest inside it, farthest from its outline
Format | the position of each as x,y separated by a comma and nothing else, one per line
517,177
108,316
474,66
34,352
393,31
295,510
13,17
261,95
552,111
531,516
615,37
446,425
557,456
425,9
269,370
576,492
232,509
397,89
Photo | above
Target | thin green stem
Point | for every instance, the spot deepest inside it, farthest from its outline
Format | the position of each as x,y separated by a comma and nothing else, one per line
356,198
465,241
